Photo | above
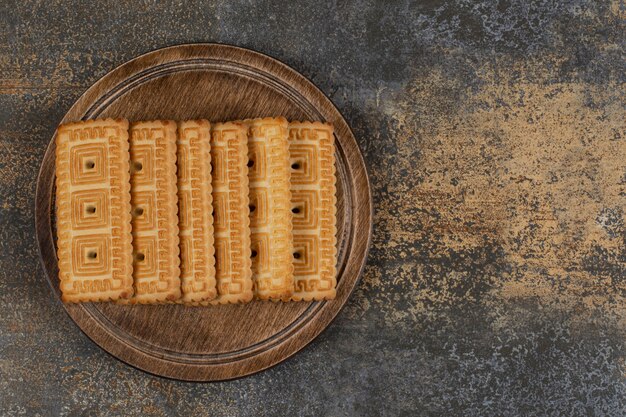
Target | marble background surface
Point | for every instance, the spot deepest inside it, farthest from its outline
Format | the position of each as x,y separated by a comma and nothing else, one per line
494,136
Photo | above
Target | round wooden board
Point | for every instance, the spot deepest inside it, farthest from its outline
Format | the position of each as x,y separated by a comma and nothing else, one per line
216,82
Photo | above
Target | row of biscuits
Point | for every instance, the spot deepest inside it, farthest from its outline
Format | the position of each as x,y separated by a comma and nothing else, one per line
193,213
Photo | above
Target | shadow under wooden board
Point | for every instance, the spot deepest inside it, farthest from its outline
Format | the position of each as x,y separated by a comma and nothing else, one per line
216,82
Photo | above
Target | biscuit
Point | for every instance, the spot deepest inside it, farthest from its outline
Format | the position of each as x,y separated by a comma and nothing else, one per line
312,159
154,203
270,208
195,212
93,211
229,155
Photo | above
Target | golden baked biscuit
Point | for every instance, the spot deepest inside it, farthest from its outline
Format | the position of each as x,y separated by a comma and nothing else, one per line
270,208
312,159
229,156
93,211
195,212
154,212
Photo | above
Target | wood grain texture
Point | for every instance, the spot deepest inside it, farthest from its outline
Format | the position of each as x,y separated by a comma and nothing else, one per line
215,82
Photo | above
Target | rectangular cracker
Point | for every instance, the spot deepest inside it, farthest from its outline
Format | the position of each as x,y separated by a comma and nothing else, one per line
270,208
195,212
312,159
154,203
93,211
229,153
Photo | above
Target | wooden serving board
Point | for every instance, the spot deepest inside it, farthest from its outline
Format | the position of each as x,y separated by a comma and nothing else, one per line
216,82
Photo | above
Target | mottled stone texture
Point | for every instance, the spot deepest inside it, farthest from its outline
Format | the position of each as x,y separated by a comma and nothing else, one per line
494,135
